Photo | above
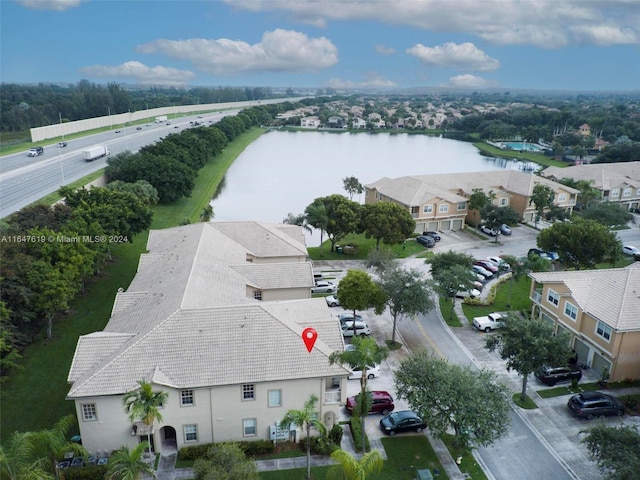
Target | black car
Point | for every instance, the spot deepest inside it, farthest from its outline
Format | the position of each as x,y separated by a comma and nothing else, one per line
426,240
433,235
594,404
402,421
552,375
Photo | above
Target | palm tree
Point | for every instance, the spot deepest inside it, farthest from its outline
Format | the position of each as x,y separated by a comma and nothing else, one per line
366,352
18,460
50,445
125,464
304,419
318,217
144,404
353,469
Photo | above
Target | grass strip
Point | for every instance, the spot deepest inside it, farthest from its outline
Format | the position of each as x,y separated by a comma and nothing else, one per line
468,464
526,404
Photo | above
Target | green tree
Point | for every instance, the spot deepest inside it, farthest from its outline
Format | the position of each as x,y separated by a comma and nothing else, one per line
350,468
381,260
542,197
352,186
300,220
495,217
450,396
616,450
317,216
449,281
304,419
366,352
141,189
51,444
225,461
580,244
442,261
608,214
357,291
144,404
125,464
407,292
386,221
343,214
478,201
529,344
588,193
18,460
520,268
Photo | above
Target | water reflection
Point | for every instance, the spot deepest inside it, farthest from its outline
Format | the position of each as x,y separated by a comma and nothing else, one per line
283,172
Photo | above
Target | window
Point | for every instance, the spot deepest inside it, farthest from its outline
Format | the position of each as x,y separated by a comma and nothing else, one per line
427,209
249,392
415,210
249,427
275,398
462,205
190,433
562,197
257,294
553,297
604,330
615,192
186,397
571,311
444,208
89,412
504,202
626,192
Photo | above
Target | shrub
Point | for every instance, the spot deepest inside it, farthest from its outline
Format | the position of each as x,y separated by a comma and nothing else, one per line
335,435
632,402
193,452
356,434
91,472
249,448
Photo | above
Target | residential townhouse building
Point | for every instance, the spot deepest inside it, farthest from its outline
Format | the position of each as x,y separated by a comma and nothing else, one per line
213,317
617,182
441,201
310,122
600,310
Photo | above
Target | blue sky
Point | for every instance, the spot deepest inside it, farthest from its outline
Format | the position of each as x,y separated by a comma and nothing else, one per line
518,44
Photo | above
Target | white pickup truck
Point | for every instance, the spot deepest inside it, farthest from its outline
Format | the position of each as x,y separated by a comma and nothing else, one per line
488,323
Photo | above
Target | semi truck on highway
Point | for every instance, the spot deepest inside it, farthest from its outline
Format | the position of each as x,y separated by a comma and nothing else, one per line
95,152
161,118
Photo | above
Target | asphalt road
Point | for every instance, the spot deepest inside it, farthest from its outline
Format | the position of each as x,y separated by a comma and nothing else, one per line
24,180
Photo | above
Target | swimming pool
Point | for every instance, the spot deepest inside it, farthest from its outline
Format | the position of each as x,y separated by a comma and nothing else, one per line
529,147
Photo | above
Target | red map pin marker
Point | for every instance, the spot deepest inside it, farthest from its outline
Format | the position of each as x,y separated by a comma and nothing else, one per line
309,336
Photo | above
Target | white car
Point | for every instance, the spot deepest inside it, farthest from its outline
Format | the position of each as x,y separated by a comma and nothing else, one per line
488,231
373,371
332,301
471,293
500,263
482,271
362,329
630,250
324,287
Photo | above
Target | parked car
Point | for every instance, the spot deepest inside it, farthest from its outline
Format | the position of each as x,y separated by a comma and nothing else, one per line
489,231
630,250
471,293
426,240
488,322
487,265
500,263
62,144
373,371
482,271
348,317
433,235
505,229
324,287
402,421
552,256
594,404
332,301
552,375
362,329
381,402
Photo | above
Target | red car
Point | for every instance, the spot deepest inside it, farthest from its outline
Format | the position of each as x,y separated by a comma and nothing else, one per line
381,402
487,265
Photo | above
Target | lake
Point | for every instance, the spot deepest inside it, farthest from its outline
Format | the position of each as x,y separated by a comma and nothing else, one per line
283,171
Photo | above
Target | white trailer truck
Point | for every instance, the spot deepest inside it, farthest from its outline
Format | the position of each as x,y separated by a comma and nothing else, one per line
95,152
161,118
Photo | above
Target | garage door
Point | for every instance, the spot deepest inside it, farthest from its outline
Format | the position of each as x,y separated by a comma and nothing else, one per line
445,225
457,224
600,364
582,350
433,226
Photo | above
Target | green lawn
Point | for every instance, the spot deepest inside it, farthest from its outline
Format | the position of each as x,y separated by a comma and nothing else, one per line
445,310
468,464
41,382
532,157
519,299
364,246
527,404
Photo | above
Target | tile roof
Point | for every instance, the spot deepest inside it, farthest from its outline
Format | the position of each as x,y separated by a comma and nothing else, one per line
610,295
603,175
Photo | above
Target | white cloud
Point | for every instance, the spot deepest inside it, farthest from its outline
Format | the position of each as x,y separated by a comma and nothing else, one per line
470,81
279,51
543,23
604,35
382,50
371,80
140,73
464,56
58,5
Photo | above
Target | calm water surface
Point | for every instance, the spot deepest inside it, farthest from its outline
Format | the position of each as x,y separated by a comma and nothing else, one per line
283,172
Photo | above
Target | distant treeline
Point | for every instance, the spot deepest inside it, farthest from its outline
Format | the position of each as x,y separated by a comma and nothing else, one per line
29,106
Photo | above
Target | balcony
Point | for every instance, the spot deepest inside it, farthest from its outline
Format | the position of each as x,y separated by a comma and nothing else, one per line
332,396
536,296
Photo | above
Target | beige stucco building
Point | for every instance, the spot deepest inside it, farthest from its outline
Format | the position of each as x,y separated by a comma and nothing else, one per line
213,317
600,309
441,202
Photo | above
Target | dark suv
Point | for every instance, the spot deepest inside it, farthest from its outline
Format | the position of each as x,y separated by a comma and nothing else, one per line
381,402
426,240
594,404
552,375
433,235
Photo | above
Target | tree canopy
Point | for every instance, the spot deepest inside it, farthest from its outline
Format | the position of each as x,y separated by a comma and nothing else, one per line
386,221
609,214
225,461
358,291
352,186
616,450
542,197
495,217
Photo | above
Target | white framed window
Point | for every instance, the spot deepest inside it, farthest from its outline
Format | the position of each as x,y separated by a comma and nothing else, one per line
615,192
89,413
427,209
603,330
562,197
462,205
553,297
257,294
186,398
248,391
626,192
443,208
249,427
570,310
275,398
190,433
504,202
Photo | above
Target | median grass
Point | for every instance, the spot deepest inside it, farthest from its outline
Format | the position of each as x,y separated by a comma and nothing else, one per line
526,404
585,387
520,300
365,245
33,396
445,310
468,464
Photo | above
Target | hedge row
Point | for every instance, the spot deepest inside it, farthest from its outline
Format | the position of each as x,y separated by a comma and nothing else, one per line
356,434
250,449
